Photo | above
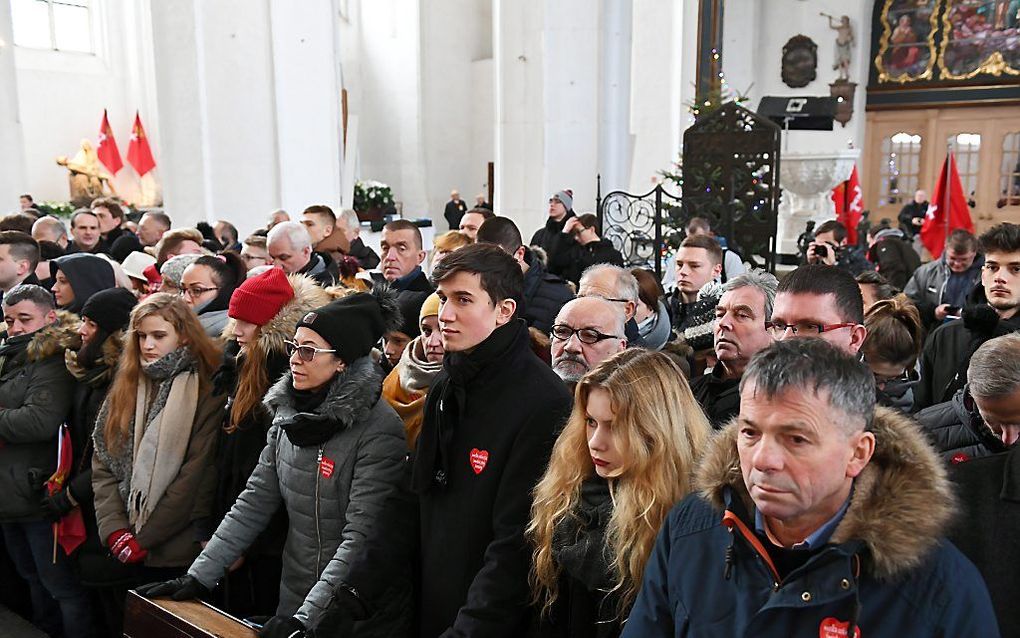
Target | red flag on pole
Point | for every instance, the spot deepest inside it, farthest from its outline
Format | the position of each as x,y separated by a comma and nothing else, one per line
69,531
107,147
948,209
139,153
849,201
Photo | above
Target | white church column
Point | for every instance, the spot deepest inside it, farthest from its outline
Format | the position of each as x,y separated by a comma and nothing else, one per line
520,188
615,138
12,159
217,120
571,98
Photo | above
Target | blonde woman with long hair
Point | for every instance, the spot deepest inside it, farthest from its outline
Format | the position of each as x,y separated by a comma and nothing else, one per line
623,460
155,440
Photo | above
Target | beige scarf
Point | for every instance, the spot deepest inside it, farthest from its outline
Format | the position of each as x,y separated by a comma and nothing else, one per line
160,448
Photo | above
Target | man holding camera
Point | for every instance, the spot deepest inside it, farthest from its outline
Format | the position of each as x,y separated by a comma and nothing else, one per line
829,248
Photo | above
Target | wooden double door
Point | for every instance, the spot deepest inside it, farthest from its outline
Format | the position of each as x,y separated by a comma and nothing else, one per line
905,149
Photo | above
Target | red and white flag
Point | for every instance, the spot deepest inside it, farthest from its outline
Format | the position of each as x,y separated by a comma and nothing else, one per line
106,149
849,201
139,153
69,531
948,210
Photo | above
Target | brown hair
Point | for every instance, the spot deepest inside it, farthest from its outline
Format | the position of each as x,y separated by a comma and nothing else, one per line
403,224
174,238
451,241
109,204
649,290
124,390
708,243
895,333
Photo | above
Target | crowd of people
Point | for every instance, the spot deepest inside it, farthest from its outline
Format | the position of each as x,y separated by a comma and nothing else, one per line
500,438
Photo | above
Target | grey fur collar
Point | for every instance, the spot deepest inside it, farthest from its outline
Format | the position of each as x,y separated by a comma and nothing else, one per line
352,394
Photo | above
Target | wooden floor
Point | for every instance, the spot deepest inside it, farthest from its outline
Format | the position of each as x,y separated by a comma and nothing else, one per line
14,626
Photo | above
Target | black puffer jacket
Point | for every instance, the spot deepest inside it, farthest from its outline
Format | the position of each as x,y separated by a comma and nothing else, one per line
572,261
718,397
948,349
544,295
957,430
554,242
35,395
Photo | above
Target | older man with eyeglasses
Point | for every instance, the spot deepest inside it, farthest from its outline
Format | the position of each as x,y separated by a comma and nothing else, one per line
587,331
823,302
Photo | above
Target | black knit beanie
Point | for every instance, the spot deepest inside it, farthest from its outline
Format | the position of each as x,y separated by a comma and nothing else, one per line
110,309
355,323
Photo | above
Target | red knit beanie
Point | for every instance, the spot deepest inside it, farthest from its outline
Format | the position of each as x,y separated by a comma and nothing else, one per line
259,298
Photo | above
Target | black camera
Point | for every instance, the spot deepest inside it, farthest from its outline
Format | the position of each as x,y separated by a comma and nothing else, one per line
821,251
953,311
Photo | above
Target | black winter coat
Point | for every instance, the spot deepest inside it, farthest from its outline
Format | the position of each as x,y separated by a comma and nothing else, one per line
894,258
718,397
554,242
957,430
322,269
577,257
986,531
365,255
948,349
544,295
491,417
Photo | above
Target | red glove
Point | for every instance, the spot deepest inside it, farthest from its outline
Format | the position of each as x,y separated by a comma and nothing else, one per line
125,548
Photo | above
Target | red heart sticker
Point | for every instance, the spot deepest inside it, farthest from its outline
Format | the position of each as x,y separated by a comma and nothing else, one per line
478,459
326,467
833,628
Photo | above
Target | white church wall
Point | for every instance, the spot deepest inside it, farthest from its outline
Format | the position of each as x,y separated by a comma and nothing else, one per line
12,160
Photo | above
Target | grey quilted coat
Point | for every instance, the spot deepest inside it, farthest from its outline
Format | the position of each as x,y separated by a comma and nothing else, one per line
338,497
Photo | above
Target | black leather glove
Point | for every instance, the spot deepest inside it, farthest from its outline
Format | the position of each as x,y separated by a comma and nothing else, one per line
56,507
283,627
184,588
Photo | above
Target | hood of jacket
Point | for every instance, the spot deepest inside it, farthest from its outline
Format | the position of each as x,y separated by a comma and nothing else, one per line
54,338
308,296
901,503
335,242
656,329
87,274
351,396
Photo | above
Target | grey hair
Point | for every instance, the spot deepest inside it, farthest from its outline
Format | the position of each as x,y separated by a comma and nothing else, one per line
349,219
52,226
619,316
30,292
625,285
294,232
762,281
814,365
994,369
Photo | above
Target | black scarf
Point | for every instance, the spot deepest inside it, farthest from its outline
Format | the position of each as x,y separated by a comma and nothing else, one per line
462,368
308,427
579,539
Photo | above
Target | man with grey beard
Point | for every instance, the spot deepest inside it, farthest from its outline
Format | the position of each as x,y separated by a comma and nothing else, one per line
587,331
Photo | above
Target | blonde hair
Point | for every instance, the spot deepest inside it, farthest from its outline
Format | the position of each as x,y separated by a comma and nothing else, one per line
659,429
124,389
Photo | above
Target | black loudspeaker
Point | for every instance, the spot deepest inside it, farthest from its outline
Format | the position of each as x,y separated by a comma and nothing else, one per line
799,113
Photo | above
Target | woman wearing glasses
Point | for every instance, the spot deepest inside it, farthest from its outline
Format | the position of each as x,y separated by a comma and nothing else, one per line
207,285
335,458
625,457
264,311
154,442
894,341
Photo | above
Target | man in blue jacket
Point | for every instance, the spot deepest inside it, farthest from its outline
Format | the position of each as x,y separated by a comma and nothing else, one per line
818,514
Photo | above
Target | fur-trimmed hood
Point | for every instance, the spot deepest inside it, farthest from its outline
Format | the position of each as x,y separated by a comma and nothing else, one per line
308,296
901,504
54,338
110,353
351,396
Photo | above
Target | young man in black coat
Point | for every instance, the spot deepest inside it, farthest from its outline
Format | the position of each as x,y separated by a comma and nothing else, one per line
544,293
491,418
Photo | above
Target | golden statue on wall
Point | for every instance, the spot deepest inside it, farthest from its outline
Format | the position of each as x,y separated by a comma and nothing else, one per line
87,178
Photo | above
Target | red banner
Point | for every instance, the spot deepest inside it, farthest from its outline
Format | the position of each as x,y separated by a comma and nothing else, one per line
849,201
139,153
948,209
107,147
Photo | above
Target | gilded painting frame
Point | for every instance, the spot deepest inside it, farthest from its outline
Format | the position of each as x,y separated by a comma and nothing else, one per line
987,40
903,54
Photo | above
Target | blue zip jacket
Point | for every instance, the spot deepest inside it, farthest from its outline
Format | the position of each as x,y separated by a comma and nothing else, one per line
886,569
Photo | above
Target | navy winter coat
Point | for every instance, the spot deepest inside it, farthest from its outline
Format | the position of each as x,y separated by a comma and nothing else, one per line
886,568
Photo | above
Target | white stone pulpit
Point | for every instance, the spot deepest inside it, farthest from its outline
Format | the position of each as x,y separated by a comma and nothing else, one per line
807,180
